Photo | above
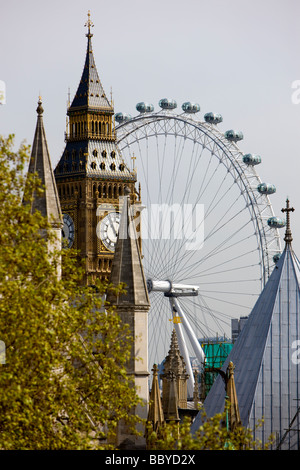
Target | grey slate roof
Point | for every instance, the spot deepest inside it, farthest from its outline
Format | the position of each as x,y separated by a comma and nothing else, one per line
48,203
90,92
267,376
84,151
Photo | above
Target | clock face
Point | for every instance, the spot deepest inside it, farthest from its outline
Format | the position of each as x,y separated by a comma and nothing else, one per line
68,230
109,228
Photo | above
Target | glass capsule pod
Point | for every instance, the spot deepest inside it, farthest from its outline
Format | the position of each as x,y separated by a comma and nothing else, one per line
234,136
190,108
144,107
276,257
122,117
251,159
213,118
276,222
165,103
266,188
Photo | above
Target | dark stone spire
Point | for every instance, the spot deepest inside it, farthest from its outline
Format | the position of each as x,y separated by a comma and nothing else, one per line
48,203
90,92
155,414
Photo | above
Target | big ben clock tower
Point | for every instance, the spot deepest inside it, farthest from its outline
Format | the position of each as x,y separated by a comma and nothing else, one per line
91,175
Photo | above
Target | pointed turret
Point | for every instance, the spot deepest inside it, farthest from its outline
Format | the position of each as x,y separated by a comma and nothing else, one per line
90,135
91,173
174,363
265,355
48,203
155,414
90,92
234,418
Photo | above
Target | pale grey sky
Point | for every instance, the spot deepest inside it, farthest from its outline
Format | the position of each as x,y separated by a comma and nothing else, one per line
235,57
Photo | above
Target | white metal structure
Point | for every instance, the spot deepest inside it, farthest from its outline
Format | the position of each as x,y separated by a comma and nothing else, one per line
188,169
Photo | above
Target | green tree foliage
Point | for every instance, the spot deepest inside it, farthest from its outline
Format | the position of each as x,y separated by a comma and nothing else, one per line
64,383
211,435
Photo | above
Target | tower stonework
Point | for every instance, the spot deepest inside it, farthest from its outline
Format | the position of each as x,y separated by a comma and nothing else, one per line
174,372
91,175
133,307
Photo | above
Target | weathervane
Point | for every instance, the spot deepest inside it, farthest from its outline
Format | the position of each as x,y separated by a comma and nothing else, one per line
89,24
288,233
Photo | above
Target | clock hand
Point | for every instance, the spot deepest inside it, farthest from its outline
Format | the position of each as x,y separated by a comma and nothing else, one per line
112,225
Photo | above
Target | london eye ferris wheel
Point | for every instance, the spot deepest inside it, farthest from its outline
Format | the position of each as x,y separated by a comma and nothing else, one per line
210,238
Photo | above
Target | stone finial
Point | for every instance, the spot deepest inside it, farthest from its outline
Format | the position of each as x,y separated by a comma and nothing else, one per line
40,108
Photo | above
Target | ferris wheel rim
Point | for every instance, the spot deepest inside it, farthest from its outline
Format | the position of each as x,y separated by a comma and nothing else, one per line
232,152
163,124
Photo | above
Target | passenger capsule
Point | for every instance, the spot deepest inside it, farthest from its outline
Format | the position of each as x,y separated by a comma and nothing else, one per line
167,104
276,222
251,159
122,117
276,257
234,136
190,108
266,188
213,118
144,107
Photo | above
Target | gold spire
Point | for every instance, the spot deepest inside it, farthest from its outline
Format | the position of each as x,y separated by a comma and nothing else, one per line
288,233
40,108
89,24
155,414
233,411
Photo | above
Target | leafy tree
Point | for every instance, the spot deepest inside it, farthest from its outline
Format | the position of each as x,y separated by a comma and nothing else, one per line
64,383
211,435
